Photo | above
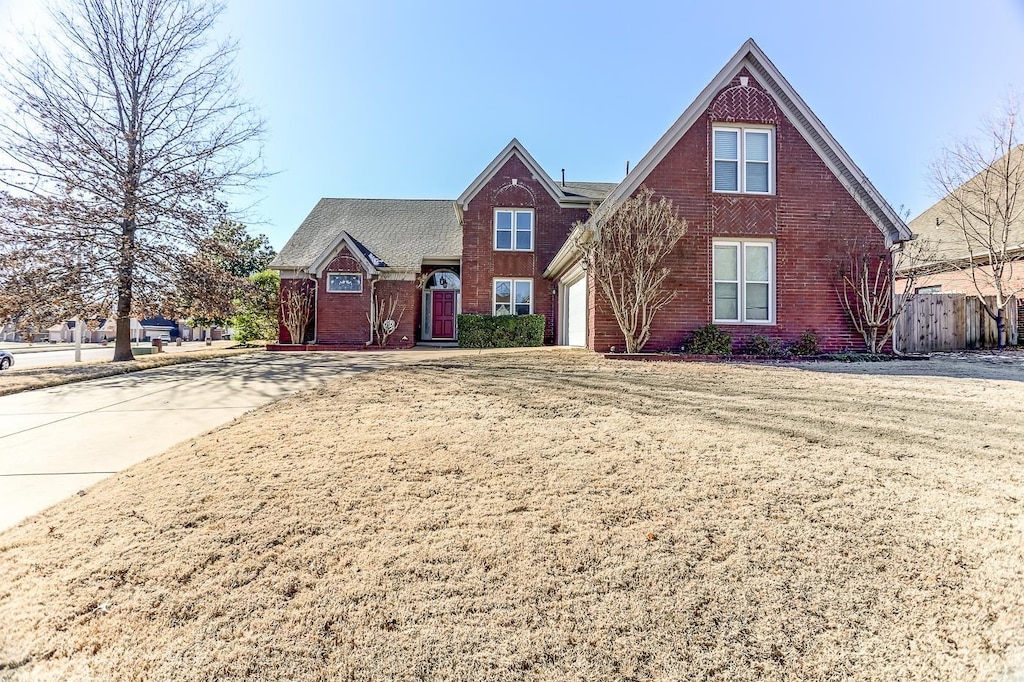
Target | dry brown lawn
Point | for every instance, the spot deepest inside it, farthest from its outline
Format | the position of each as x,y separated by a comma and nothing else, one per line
551,516
17,380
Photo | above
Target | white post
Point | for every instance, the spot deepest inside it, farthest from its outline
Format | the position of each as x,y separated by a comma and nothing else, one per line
78,339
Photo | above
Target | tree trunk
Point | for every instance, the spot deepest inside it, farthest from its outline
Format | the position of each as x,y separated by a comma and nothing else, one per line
1000,329
123,344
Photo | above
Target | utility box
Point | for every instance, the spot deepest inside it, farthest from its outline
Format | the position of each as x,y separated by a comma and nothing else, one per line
158,345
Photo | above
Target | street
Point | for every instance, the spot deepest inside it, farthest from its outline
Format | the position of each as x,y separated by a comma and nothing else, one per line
39,356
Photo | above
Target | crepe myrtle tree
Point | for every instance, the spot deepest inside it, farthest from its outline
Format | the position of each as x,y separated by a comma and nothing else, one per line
865,283
296,301
127,133
624,248
981,181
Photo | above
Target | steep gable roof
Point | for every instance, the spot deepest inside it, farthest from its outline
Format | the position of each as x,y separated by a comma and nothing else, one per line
567,194
396,233
771,79
939,228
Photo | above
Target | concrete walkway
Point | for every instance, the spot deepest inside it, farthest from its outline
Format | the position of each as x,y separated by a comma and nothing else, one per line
55,442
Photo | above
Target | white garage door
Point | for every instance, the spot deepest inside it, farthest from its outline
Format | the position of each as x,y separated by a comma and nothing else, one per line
576,313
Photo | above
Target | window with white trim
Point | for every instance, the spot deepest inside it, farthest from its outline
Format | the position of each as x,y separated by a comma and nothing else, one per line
513,229
513,296
344,282
743,160
744,281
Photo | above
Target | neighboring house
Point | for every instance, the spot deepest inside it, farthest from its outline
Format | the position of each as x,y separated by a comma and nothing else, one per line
158,327
947,251
99,330
62,332
773,204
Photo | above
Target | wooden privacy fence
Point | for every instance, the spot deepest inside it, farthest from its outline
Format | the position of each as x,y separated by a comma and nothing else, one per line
936,322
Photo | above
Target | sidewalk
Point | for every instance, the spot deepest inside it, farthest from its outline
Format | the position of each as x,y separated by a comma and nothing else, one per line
20,348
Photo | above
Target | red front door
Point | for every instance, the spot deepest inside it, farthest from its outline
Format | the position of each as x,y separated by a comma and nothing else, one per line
442,323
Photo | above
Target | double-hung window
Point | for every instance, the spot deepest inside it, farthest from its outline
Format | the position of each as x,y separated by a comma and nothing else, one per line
744,282
743,160
344,282
513,229
513,296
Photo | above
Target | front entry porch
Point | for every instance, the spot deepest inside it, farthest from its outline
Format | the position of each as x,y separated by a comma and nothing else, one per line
441,305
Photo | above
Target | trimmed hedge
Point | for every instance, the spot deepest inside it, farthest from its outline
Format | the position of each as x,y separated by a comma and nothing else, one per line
503,331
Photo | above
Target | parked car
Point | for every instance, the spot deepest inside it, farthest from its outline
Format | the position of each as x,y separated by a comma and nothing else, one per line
6,359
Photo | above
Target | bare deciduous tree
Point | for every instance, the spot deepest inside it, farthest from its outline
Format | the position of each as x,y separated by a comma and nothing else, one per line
382,318
624,250
866,286
296,309
126,136
981,181
38,289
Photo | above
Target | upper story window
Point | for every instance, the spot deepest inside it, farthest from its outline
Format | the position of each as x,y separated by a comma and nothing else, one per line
344,282
513,229
744,281
743,160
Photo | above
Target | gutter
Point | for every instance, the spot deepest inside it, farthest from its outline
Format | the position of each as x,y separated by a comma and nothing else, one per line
569,253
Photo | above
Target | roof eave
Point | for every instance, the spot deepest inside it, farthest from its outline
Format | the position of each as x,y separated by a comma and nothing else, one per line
568,255
812,129
327,255
513,148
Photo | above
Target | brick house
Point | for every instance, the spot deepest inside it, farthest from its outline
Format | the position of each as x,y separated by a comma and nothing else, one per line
771,200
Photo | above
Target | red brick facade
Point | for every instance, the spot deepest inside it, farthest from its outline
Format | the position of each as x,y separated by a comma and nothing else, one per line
341,317
481,263
811,216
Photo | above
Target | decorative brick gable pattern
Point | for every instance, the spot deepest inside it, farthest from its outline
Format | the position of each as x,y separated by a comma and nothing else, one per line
812,218
744,103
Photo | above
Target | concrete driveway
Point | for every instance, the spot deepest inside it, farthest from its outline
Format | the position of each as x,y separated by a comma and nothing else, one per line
58,441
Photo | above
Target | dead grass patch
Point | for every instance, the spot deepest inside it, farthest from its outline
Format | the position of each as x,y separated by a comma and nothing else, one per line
18,380
551,516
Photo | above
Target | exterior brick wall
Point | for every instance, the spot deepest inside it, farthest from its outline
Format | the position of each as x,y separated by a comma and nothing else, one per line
341,316
481,263
813,219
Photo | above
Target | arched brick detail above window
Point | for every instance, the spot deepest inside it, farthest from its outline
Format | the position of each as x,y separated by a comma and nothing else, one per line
514,196
744,103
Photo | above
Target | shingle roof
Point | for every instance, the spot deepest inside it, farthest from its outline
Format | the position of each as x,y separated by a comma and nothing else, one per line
591,190
398,232
939,230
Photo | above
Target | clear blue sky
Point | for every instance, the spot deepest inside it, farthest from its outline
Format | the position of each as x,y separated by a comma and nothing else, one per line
411,99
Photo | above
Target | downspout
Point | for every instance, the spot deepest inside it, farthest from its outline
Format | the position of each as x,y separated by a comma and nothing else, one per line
316,306
892,296
373,310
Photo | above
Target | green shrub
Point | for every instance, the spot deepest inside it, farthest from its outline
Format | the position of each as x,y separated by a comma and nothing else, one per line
807,345
709,340
764,346
502,331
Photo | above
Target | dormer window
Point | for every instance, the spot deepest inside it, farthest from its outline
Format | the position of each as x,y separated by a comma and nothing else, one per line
513,229
743,159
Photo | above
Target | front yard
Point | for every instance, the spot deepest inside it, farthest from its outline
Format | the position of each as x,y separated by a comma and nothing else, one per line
551,515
